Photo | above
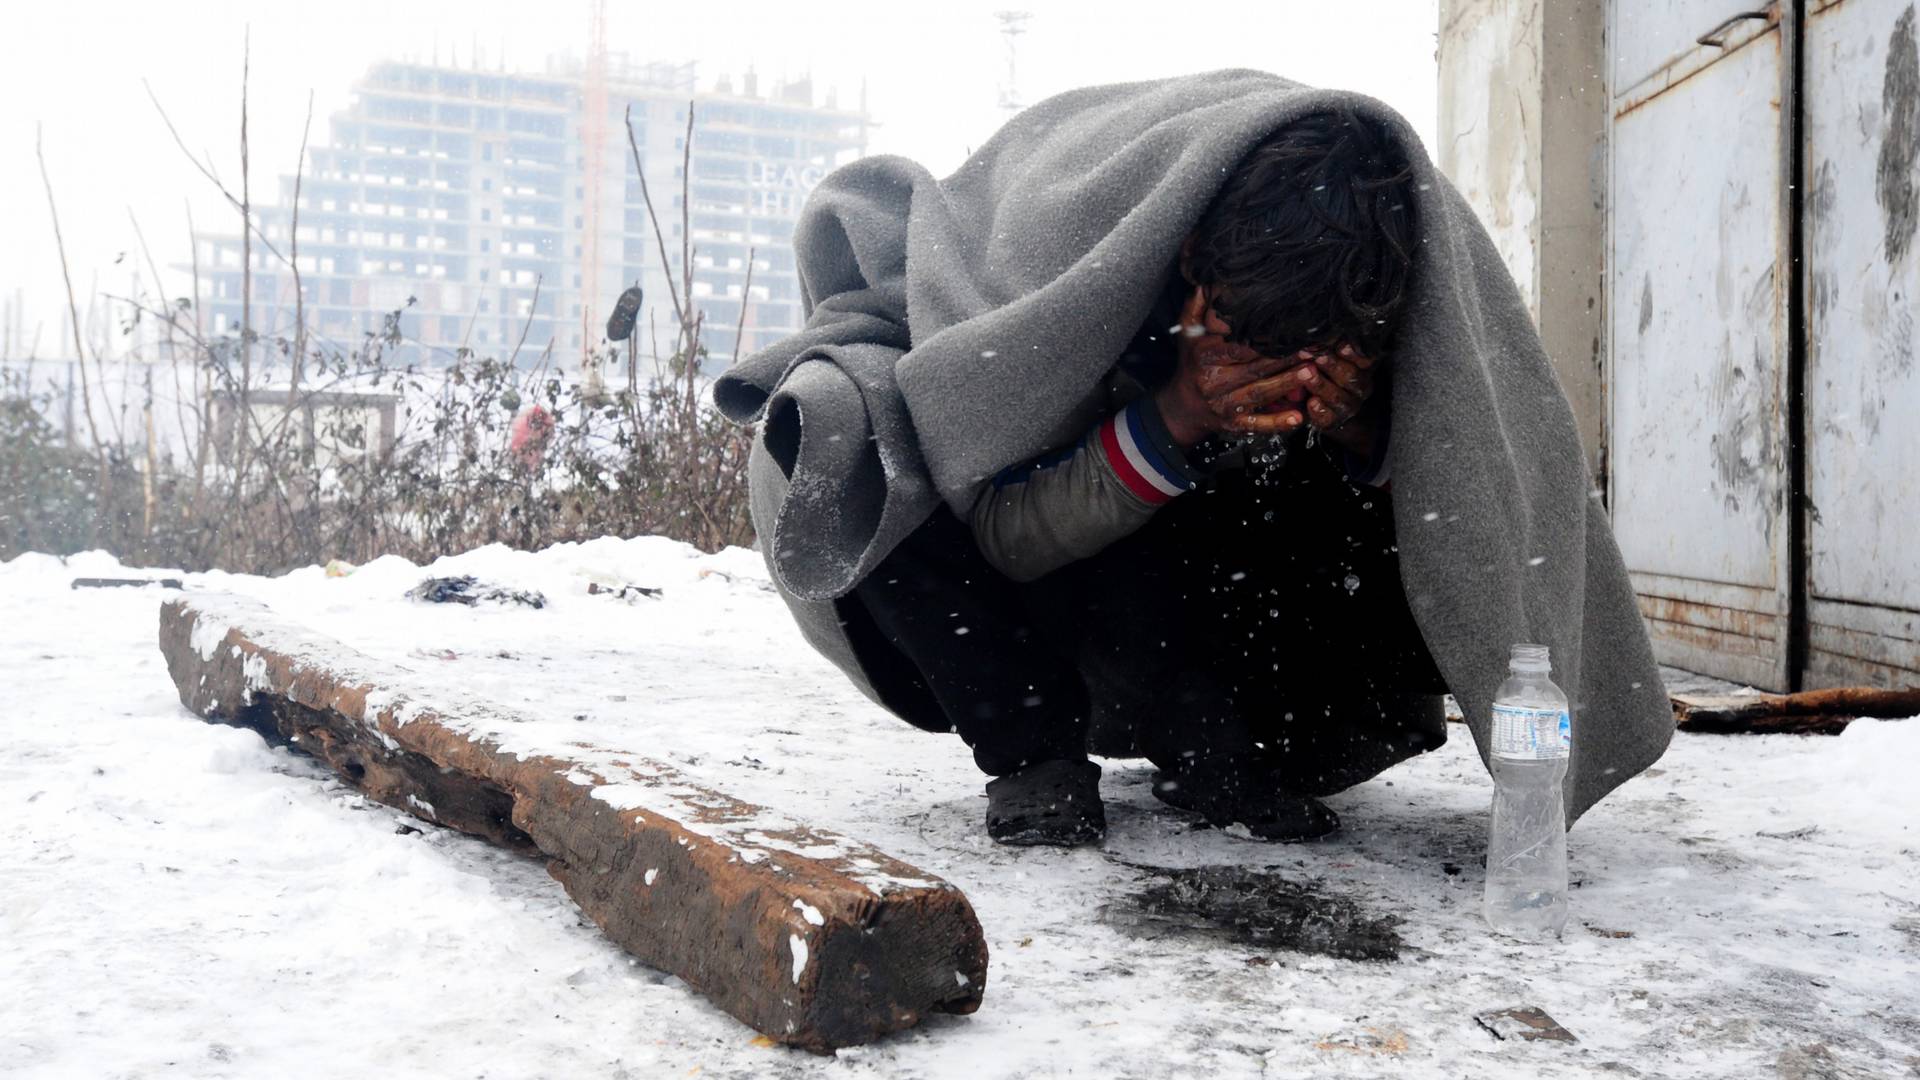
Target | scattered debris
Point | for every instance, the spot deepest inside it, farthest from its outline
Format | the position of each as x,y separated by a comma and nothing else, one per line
1527,1023
125,582
467,589
1909,925
339,568
1816,1061
735,579
1247,905
1601,931
1372,1041
1812,712
1797,834
623,592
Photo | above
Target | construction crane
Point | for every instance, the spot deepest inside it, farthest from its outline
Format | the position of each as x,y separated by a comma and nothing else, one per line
593,156
1012,25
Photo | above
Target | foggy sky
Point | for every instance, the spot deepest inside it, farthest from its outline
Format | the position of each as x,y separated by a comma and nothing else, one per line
933,74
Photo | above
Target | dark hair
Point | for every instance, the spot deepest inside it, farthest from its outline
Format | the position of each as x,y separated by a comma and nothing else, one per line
1310,241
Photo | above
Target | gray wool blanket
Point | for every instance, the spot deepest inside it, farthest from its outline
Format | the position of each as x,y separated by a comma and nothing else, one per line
953,322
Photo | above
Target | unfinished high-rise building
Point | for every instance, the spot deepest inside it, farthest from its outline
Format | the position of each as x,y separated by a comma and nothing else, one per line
465,200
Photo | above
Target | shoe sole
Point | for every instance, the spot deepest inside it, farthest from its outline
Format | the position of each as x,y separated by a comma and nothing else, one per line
1168,790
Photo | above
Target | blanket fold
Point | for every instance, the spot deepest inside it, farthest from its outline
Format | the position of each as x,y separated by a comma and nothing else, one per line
952,323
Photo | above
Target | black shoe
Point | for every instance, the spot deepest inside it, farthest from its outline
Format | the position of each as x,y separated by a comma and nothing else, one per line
1052,803
1235,790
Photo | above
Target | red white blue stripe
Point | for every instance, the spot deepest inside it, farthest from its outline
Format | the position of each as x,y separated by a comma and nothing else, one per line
1134,458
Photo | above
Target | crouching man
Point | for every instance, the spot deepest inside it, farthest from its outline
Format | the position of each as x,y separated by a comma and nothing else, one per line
1206,561
1196,420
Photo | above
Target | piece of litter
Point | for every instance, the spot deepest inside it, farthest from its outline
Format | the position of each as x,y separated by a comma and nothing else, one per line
467,589
1525,1022
124,583
626,592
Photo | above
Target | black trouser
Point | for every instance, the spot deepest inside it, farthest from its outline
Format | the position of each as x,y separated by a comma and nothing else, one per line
1264,618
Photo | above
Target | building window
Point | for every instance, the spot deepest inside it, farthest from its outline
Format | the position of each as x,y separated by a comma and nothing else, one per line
579,222
486,184
576,284
486,245
486,151
486,214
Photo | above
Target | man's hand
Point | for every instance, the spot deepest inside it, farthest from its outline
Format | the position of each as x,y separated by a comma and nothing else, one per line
1227,389
1339,401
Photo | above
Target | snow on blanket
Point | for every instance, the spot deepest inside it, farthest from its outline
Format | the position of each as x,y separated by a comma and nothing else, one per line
177,898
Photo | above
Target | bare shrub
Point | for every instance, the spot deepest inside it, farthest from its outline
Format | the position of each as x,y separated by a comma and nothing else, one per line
271,471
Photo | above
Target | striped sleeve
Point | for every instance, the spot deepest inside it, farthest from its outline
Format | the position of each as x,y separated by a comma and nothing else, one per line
1140,461
1070,504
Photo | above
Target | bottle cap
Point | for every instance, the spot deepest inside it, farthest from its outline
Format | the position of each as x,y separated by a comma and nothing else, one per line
1528,658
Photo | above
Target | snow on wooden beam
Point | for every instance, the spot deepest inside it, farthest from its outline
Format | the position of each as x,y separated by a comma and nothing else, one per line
1811,712
813,939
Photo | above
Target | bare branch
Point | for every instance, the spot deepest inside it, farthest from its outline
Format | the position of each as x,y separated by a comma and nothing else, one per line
232,199
646,196
686,220
168,318
73,306
293,244
528,325
246,274
746,293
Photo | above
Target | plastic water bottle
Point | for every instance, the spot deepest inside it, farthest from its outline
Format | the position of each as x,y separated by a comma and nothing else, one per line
1527,843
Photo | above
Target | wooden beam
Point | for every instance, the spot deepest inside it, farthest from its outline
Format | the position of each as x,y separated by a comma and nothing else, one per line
1813,712
813,939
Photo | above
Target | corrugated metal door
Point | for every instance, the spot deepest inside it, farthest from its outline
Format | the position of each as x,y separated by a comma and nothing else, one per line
1862,383
1698,325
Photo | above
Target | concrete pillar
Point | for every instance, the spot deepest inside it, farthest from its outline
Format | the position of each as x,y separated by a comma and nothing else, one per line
1523,135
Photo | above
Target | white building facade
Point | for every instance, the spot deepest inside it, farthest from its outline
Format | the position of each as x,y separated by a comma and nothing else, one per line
495,214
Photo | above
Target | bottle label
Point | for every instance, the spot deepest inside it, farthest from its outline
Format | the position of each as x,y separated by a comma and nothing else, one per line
1531,734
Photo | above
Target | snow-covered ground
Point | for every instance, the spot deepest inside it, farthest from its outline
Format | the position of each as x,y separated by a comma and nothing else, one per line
179,899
